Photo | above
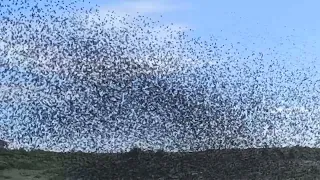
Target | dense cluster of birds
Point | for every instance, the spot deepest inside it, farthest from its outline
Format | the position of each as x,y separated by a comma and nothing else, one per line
72,79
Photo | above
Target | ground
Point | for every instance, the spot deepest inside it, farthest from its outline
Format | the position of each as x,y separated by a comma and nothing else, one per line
272,163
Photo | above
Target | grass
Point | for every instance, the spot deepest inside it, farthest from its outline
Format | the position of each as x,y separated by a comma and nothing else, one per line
272,163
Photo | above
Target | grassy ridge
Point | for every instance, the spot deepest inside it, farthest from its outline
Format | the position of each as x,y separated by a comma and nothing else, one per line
276,163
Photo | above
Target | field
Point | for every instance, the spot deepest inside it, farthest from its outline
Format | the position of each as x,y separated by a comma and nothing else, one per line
280,163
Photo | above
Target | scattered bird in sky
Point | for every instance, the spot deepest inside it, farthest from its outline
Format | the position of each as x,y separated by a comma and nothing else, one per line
93,82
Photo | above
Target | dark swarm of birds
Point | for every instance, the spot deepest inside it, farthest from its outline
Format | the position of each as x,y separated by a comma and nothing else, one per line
73,80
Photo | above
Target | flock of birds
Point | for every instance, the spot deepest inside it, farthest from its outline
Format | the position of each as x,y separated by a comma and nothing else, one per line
75,81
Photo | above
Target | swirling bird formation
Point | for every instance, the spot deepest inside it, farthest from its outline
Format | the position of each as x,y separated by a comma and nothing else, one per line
71,79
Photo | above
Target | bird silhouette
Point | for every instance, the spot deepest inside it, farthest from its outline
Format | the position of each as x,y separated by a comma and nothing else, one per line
87,81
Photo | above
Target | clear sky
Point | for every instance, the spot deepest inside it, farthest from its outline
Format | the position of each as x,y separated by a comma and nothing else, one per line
290,28
287,31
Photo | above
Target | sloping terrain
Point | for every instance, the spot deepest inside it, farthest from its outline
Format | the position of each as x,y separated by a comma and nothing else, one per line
280,163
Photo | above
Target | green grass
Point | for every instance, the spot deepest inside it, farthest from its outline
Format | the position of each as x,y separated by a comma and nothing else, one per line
276,163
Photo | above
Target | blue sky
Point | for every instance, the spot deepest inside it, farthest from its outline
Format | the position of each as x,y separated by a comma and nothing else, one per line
287,31
290,28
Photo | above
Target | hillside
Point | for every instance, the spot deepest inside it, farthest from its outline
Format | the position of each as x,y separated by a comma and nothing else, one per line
279,163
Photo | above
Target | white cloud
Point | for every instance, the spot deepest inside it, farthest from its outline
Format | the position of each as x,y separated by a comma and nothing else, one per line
129,10
116,13
149,6
124,15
